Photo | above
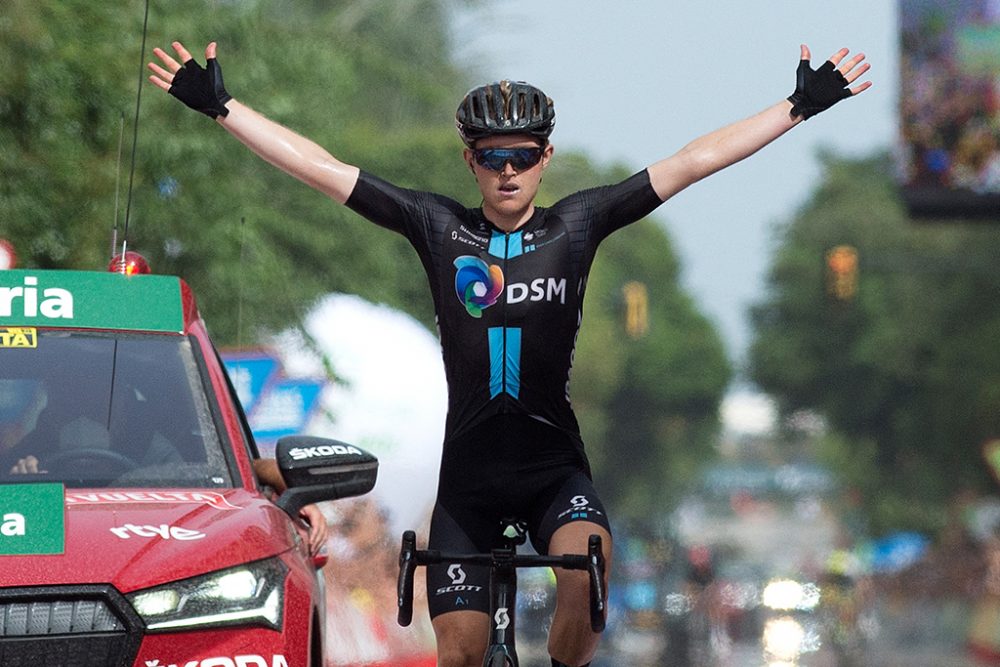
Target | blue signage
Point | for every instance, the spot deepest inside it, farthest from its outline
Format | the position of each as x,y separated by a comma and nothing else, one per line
275,405
250,373
284,409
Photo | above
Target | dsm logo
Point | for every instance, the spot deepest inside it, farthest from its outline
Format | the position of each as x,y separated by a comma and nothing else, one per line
477,285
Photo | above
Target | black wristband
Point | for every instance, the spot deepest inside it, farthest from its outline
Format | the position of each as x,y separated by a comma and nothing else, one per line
817,90
201,89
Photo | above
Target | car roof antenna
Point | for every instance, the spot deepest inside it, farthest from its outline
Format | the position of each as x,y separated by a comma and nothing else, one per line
135,141
239,307
128,208
118,171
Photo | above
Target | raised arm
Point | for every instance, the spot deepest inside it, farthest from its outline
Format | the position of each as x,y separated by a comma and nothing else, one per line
816,90
202,89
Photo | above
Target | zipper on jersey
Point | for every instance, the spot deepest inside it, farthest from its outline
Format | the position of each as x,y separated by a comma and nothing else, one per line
503,383
505,341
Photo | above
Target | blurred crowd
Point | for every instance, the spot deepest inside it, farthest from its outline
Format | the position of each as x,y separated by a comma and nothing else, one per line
950,97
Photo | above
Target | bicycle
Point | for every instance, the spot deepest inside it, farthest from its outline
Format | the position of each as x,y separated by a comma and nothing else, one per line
503,563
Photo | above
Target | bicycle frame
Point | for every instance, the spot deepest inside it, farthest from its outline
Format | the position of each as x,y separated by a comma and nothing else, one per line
503,563
503,606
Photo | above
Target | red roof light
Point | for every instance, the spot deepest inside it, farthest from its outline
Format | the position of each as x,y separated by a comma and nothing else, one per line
8,258
132,263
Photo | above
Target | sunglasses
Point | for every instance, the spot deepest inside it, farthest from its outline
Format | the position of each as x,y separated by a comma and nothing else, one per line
494,159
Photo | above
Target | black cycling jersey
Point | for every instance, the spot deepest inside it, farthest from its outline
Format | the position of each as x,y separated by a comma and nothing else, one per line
508,305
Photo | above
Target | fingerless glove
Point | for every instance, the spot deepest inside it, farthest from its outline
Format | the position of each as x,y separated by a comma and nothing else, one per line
817,90
201,89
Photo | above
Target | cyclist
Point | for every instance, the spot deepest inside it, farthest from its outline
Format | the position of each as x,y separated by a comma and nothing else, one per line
507,280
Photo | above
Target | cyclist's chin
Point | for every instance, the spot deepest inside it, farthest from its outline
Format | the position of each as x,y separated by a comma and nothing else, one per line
510,204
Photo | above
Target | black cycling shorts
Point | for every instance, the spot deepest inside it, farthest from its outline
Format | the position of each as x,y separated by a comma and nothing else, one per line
510,466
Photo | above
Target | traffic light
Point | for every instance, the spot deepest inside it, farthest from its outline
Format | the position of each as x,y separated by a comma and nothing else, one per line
842,272
636,309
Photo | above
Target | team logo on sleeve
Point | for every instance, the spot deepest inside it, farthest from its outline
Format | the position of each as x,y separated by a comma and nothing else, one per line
477,284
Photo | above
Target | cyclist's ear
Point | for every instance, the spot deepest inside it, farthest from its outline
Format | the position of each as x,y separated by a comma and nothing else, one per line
468,157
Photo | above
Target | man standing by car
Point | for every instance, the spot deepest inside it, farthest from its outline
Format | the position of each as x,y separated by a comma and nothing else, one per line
508,281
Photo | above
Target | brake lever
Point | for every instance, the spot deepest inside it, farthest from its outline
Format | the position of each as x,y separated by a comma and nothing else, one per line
404,585
595,568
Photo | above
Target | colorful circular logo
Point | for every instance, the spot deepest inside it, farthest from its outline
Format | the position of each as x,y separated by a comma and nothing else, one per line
477,284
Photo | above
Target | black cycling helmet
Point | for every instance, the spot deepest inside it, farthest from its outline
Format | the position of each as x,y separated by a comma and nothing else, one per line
505,107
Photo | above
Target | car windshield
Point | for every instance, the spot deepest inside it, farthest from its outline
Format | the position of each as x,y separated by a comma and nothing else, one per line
107,409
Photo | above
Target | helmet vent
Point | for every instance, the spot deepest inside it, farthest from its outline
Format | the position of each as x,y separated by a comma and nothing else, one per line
504,113
477,108
505,107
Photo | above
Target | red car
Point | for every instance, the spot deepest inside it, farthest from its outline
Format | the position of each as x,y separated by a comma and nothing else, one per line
133,530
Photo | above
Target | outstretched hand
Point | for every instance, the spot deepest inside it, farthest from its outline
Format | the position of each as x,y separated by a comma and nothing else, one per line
819,89
164,78
200,88
850,70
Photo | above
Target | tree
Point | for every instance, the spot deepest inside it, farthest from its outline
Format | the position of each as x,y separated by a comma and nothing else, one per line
907,368
662,416
353,76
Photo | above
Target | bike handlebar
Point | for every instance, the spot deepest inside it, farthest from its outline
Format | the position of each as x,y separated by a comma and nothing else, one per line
410,557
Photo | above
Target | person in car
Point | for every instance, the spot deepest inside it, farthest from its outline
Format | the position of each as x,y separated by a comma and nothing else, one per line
507,279
63,428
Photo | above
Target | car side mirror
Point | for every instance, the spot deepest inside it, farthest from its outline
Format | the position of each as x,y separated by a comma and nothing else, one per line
318,469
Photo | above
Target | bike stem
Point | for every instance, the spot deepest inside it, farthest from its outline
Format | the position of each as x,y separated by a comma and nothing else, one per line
503,603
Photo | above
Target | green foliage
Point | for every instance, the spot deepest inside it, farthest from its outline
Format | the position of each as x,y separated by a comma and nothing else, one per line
59,121
373,81
908,371
659,421
258,247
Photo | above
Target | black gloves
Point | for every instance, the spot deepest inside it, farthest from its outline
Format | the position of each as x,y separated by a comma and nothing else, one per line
201,89
817,90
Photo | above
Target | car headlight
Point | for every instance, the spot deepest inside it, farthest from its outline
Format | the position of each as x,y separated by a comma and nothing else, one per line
783,639
250,594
